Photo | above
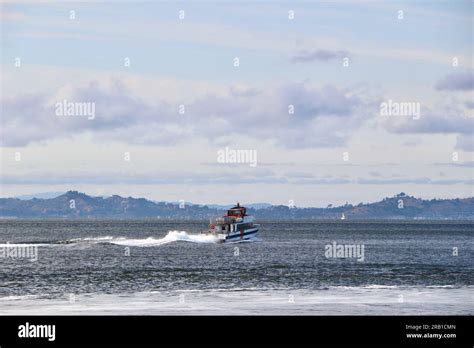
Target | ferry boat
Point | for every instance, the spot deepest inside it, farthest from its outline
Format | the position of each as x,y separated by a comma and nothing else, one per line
235,226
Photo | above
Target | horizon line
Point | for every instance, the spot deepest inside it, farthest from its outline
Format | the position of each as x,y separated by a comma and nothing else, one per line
398,195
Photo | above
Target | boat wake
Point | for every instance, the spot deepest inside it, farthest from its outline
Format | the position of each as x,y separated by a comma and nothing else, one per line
172,236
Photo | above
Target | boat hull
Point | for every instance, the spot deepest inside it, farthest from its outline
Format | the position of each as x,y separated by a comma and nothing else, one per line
241,236
237,236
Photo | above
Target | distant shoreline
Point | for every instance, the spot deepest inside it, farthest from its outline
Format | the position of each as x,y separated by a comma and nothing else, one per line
263,221
77,205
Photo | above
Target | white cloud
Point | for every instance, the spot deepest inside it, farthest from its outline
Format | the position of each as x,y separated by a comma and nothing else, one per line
463,81
323,117
447,119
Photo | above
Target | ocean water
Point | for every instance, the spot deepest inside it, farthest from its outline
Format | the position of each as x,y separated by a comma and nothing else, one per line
156,267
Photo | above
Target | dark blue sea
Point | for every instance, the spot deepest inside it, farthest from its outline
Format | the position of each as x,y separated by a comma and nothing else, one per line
157,267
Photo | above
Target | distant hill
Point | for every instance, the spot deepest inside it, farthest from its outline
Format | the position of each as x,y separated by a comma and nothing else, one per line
73,204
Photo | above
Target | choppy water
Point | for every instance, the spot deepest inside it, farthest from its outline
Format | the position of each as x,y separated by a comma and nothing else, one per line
152,267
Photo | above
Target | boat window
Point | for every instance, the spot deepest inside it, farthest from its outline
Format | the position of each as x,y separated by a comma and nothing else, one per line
242,227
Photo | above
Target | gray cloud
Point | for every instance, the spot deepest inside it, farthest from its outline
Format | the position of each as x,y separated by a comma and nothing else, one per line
415,181
321,55
253,176
463,81
466,164
32,118
322,181
465,142
469,104
378,179
375,174
222,177
449,120
323,117
436,123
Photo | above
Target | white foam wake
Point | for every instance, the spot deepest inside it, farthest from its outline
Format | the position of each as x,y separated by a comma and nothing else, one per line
92,239
172,236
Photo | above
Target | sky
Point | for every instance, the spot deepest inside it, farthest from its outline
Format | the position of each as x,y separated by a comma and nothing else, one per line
301,87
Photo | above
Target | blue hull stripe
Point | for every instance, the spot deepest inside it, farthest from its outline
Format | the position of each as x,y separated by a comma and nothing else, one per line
239,235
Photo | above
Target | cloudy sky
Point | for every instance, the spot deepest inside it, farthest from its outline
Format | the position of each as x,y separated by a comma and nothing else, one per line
173,84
